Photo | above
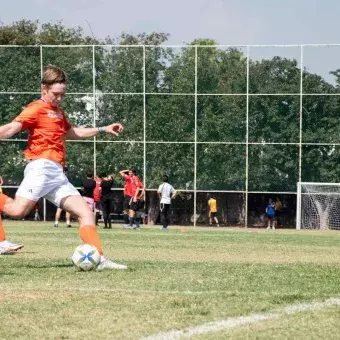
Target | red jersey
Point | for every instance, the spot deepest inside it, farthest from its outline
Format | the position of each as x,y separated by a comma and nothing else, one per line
47,126
135,184
127,186
97,189
131,185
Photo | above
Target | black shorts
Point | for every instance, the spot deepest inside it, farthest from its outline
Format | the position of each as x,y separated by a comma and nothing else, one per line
213,214
271,217
134,206
126,202
141,204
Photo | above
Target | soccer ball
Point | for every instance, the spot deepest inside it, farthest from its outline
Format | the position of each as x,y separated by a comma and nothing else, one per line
86,257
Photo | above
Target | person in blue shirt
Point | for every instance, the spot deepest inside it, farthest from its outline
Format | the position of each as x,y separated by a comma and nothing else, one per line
270,211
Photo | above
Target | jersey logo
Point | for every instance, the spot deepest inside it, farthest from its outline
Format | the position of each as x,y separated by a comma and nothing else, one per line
57,115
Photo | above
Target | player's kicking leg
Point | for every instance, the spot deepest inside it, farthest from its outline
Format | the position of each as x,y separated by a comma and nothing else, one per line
87,230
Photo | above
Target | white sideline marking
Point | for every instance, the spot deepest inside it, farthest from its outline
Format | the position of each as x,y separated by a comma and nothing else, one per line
229,323
138,291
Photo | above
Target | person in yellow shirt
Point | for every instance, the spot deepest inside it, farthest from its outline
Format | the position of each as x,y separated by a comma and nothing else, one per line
213,210
278,208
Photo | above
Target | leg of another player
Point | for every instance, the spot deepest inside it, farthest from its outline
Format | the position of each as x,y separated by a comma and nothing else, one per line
68,220
131,218
126,217
163,216
57,217
216,220
77,206
105,207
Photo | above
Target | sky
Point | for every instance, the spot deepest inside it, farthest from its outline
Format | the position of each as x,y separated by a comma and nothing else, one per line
226,21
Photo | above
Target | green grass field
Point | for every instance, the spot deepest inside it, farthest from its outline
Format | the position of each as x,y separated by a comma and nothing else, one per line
177,280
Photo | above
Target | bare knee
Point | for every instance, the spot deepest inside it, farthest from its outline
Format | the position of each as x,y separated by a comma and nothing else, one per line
86,217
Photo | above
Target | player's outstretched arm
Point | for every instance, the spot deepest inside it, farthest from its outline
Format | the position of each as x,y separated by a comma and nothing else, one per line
84,133
8,130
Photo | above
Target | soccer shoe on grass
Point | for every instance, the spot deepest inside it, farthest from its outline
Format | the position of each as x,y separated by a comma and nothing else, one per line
109,264
9,247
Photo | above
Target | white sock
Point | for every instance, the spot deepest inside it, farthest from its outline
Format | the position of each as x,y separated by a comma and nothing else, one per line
56,222
68,222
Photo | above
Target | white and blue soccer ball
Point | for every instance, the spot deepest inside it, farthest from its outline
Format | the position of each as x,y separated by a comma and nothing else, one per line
86,257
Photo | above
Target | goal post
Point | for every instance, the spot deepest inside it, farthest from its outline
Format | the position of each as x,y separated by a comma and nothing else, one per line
318,205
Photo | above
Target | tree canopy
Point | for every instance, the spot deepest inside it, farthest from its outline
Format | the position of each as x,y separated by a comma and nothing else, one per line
172,99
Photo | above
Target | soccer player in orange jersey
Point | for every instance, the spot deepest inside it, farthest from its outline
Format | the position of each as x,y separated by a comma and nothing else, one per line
43,177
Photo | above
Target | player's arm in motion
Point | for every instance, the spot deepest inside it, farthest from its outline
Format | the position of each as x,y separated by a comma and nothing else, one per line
84,133
10,129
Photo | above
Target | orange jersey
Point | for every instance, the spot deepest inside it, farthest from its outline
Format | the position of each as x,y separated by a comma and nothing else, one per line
47,127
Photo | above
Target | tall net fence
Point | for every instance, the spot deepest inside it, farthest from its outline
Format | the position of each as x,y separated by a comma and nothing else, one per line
242,122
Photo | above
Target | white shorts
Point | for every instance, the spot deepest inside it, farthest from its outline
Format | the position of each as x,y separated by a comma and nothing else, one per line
45,178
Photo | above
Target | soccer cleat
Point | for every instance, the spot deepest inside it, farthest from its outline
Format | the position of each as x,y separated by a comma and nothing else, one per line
55,225
164,228
68,226
9,247
4,251
109,264
268,228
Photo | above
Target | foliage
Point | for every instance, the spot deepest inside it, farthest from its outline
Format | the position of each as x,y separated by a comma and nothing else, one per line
221,119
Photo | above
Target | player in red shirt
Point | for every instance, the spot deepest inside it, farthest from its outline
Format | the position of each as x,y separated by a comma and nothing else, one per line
132,191
96,197
127,175
48,130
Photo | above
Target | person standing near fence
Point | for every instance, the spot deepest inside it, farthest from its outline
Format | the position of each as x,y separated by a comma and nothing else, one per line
166,193
43,177
96,197
132,190
127,194
106,199
88,187
270,211
212,203
278,209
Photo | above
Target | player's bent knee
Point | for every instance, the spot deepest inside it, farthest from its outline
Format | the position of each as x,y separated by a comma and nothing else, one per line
19,213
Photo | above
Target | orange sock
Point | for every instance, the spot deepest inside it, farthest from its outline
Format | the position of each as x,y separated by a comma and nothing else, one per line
2,231
3,200
89,235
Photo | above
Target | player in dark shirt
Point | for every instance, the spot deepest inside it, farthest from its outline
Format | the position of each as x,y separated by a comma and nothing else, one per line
88,187
106,199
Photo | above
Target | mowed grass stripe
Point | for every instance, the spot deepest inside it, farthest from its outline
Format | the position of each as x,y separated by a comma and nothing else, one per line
175,280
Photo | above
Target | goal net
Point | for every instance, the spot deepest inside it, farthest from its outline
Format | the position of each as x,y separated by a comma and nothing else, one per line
318,206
